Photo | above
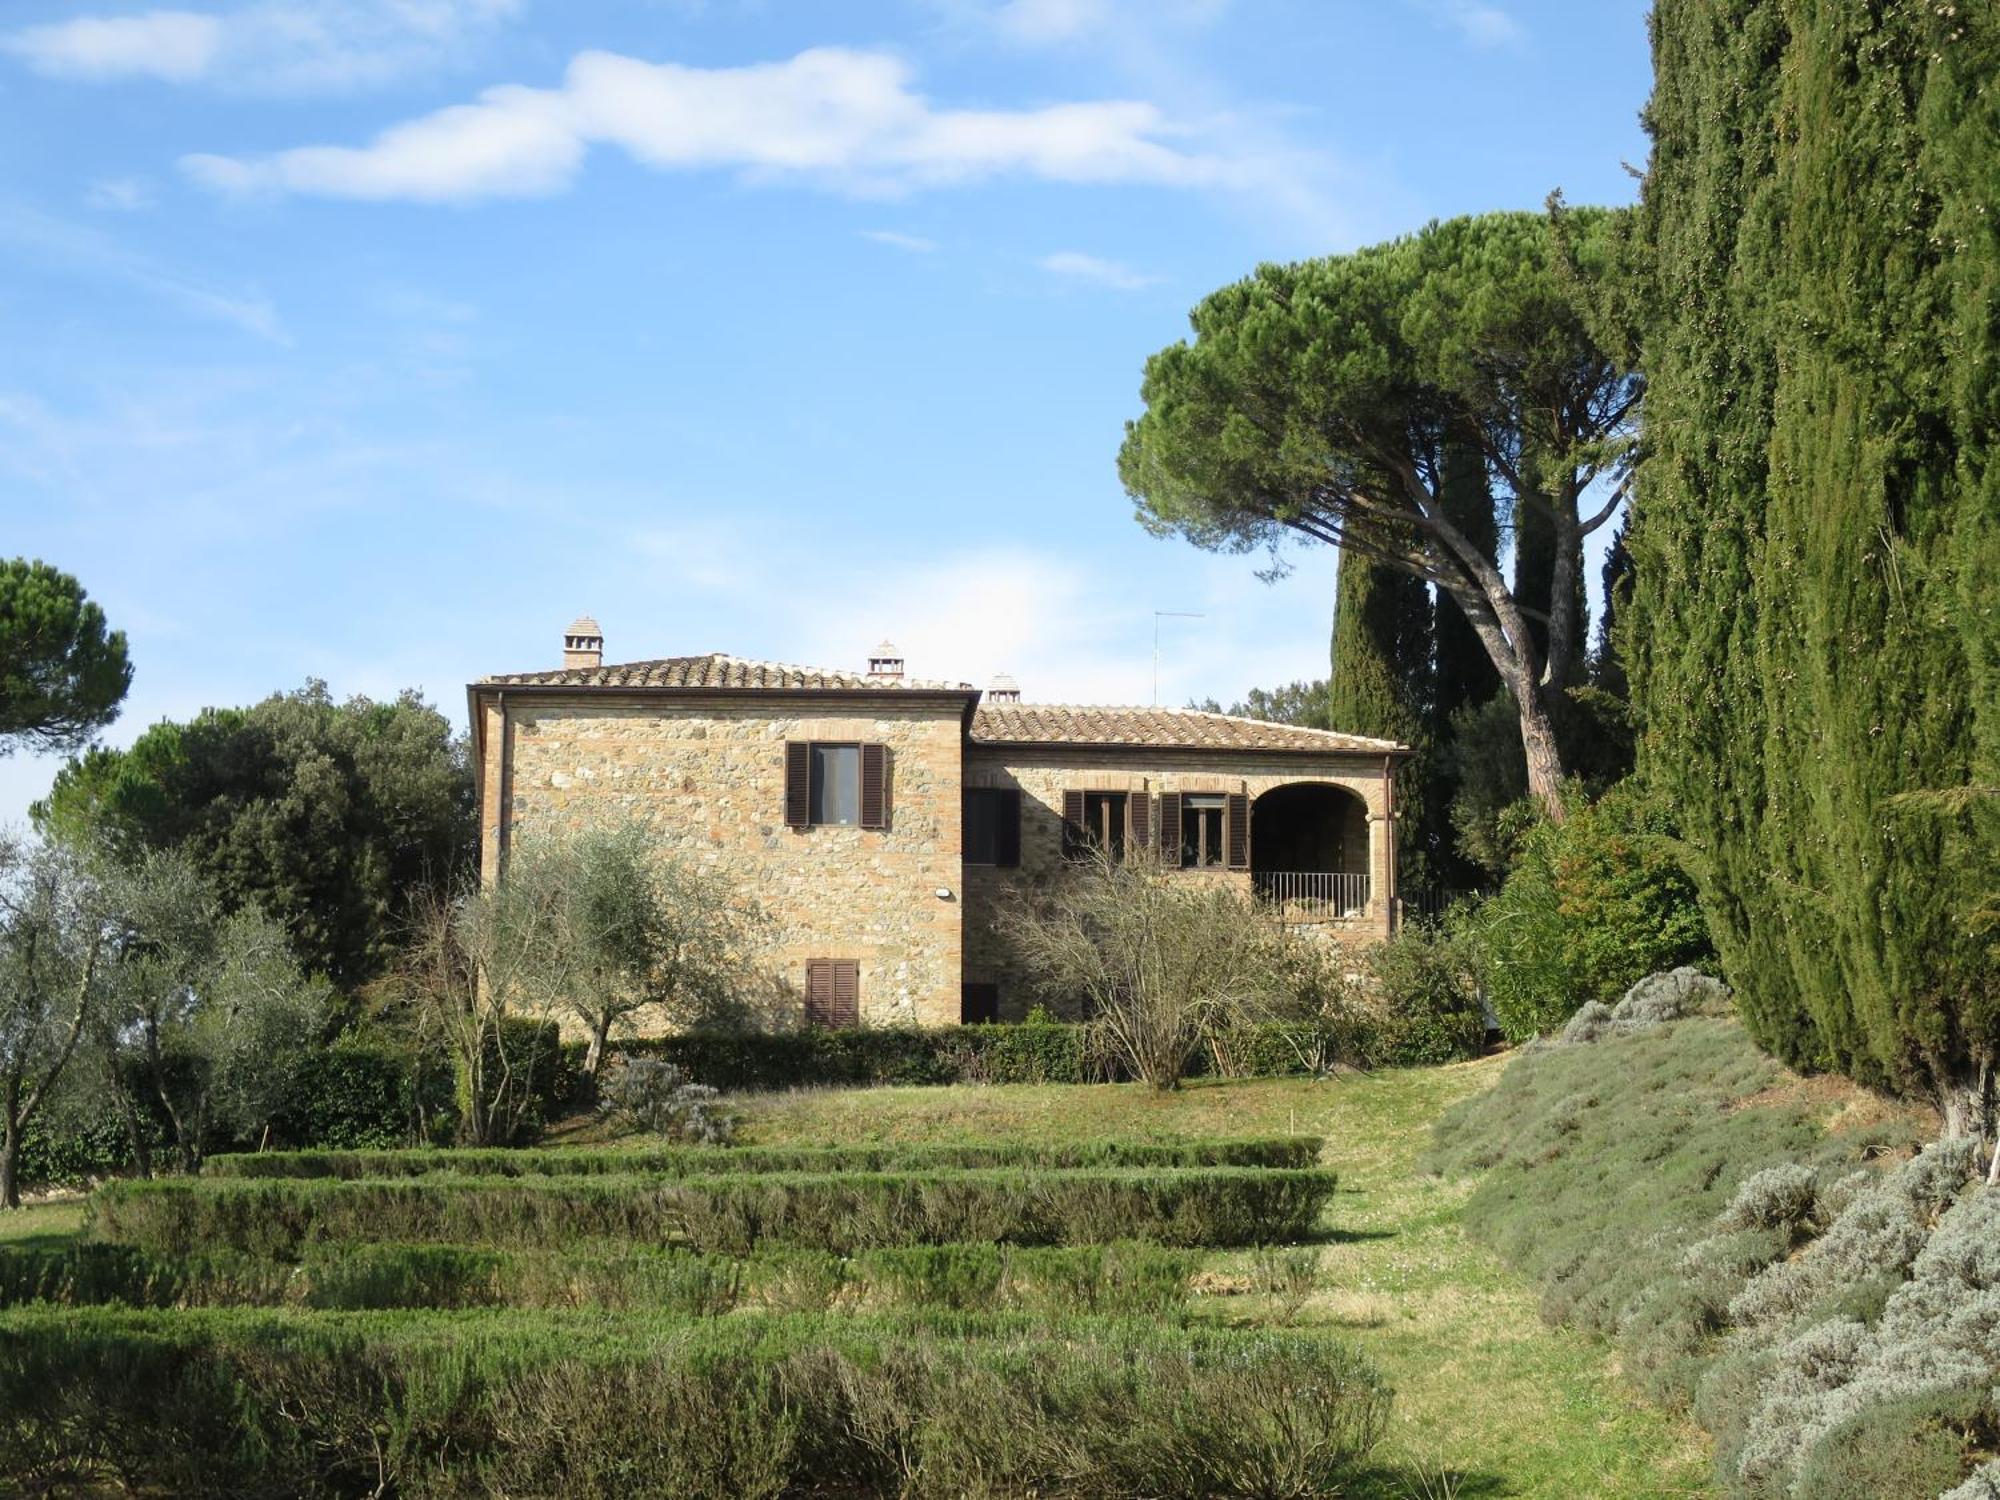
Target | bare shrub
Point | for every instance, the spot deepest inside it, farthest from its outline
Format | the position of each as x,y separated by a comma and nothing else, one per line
1161,961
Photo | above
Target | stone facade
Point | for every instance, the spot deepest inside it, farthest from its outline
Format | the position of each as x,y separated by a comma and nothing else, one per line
695,749
708,776
1043,773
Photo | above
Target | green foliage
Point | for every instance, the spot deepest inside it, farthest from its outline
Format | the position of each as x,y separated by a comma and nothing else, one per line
1383,681
695,1161
325,815
1320,400
1592,905
62,674
1425,979
1814,636
732,1214
1301,703
657,1097
256,1404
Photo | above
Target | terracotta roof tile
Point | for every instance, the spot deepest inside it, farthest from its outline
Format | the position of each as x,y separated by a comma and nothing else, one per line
715,670
1178,728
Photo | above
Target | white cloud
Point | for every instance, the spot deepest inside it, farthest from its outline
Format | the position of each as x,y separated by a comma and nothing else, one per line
275,46
1040,22
175,45
845,119
1482,25
916,244
1080,267
124,194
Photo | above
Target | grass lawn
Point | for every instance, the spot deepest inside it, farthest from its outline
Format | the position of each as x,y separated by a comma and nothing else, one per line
1490,1400
41,1226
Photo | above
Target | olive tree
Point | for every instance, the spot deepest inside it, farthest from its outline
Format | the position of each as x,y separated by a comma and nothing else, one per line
54,938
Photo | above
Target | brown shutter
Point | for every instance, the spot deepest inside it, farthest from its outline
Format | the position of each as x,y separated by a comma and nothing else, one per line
1007,835
874,786
1170,828
1237,834
1139,820
798,783
846,1008
1075,837
819,992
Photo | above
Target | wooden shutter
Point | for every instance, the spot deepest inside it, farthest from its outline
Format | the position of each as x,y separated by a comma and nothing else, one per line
1170,828
846,1010
1139,820
798,783
819,992
1007,830
1076,838
874,786
1237,834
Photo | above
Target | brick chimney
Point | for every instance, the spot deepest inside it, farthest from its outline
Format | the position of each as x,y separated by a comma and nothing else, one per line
583,644
1003,689
886,665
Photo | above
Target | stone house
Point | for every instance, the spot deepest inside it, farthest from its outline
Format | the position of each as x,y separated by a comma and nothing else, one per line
879,819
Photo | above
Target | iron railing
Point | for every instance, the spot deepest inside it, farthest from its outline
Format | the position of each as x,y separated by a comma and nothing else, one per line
1312,895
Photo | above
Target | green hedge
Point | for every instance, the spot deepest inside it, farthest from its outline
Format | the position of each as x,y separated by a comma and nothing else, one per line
1130,1276
841,1212
235,1404
696,1161
1006,1052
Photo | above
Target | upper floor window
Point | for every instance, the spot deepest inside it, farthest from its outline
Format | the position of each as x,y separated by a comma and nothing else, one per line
1098,820
836,784
993,826
1201,831
830,784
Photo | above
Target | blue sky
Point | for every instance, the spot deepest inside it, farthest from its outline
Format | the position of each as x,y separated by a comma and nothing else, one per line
372,340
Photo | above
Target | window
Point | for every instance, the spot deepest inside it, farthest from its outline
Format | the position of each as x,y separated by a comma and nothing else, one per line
979,1002
833,992
1201,831
1104,821
836,784
993,826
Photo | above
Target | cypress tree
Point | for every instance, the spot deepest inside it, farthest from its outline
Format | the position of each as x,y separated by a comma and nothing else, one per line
1381,685
1813,630
1465,674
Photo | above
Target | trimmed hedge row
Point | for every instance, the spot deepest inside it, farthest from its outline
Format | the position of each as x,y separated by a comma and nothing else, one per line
1131,1276
254,1405
696,1161
1002,1052
836,1211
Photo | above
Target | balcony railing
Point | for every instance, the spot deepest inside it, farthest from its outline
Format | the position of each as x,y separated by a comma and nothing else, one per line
1312,895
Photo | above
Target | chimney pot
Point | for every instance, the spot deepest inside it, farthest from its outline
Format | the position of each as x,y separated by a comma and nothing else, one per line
583,644
1003,689
885,665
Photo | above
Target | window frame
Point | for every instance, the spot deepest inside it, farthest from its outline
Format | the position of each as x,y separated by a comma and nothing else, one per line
1205,809
815,783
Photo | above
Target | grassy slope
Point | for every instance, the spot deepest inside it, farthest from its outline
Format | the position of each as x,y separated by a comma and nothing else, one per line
1485,1389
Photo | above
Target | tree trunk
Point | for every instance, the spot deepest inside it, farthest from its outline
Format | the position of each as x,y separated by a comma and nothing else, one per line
135,1131
10,1160
1538,742
600,1033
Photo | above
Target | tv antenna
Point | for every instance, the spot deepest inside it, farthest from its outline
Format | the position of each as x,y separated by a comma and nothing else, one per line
1159,615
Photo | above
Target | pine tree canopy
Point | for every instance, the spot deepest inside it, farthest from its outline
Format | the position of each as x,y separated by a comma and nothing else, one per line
1318,400
62,673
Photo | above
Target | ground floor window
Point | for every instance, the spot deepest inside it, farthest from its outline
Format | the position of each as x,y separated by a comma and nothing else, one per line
833,992
980,1001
